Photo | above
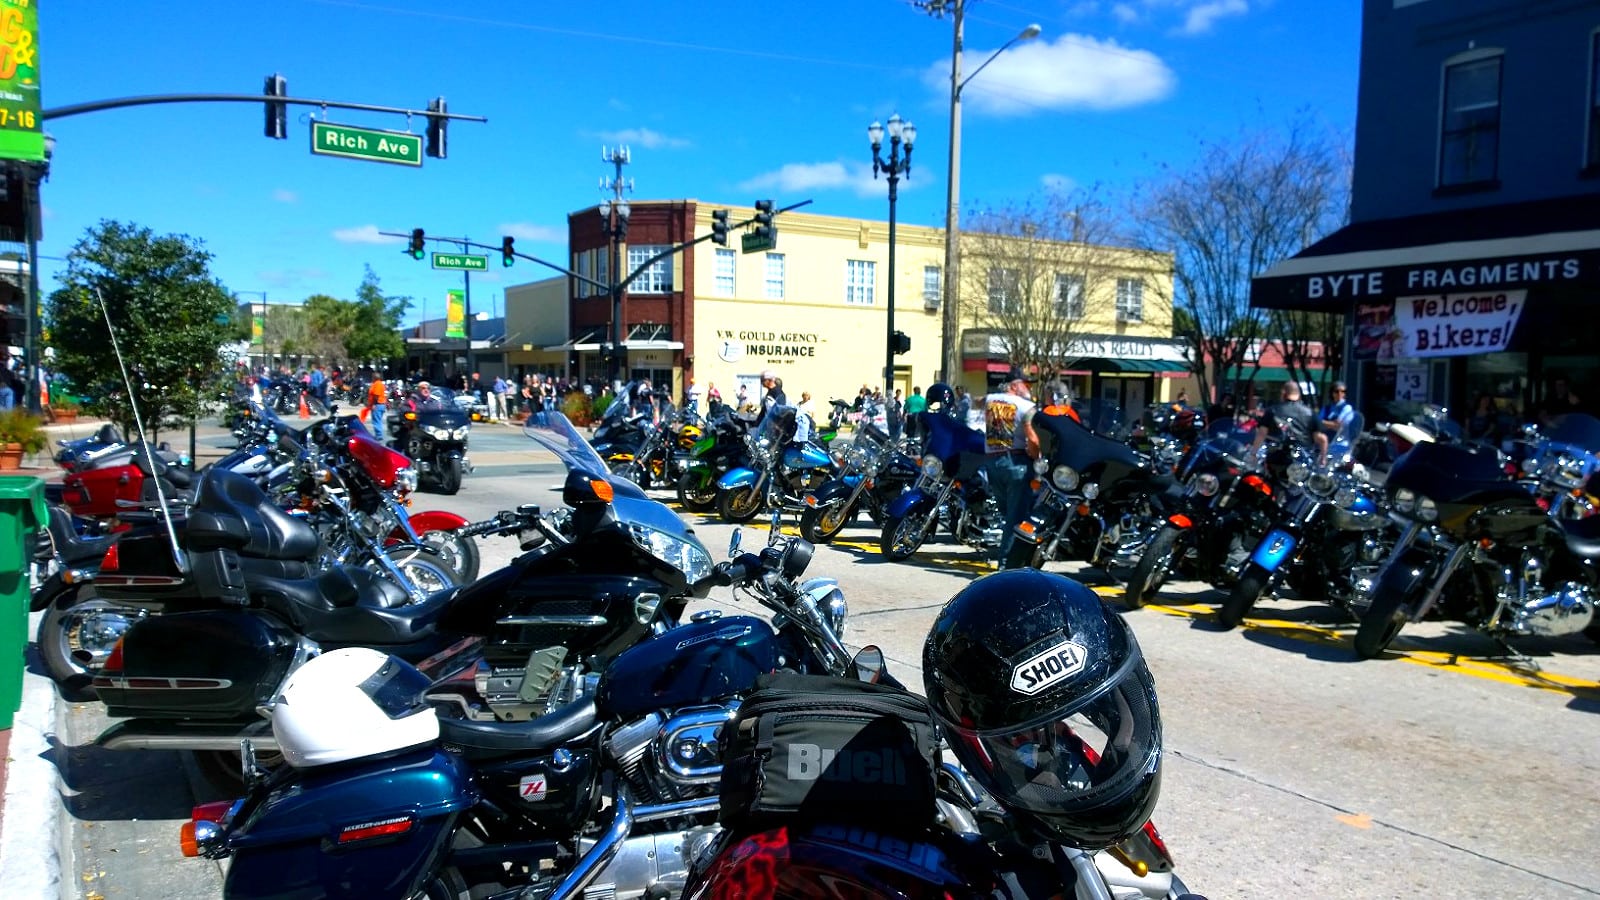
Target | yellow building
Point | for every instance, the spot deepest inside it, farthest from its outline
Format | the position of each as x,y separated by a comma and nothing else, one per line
814,308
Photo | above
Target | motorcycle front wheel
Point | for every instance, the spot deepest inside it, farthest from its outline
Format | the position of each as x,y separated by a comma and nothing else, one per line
820,525
427,570
460,552
1244,596
1384,619
629,469
1024,555
1153,570
902,536
450,476
739,504
697,492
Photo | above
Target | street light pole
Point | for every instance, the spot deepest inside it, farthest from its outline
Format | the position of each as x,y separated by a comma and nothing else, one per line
615,213
900,134
950,318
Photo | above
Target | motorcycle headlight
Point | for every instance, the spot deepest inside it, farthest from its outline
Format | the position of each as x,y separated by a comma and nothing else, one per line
438,434
1405,502
405,480
1426,510
830,602
1065,478
1207,484
1345,497
1041,466
1091,491
687,556
1321,484
932,467
460,434
1298,472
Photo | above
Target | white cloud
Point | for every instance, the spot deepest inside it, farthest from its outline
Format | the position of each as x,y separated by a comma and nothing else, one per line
1202,17
528,231
363,234
1125,13
1056,182
821,176
643,137
284,195
1071,72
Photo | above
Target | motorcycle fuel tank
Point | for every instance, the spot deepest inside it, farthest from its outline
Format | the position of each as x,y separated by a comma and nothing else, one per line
806,456
690,665
373,829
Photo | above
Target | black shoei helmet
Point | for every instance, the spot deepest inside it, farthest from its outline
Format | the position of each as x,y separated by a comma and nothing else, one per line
940,397
1044,696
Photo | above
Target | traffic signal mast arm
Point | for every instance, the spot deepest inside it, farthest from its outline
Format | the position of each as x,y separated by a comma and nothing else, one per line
61,112
462,242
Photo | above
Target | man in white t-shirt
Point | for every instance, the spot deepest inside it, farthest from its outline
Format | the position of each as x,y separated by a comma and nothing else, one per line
1012,445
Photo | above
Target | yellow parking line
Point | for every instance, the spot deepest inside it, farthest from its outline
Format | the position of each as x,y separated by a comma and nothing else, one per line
1475,667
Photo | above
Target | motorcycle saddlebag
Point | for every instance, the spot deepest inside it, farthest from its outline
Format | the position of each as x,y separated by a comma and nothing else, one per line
808,748
218,664
369,829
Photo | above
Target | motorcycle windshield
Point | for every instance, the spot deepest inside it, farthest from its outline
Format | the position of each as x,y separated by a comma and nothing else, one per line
1080,448
556,434
620,405
1450,473
785,423
1579,430
948,438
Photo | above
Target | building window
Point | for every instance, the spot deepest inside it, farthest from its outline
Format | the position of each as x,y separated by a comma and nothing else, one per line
724,272
657,279
1069,296
860,278
584,287
602,269
1130,300
774,276
930,286
1005,291
1469,147
1594,101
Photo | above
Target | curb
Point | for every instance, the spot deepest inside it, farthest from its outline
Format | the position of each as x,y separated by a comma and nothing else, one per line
30,853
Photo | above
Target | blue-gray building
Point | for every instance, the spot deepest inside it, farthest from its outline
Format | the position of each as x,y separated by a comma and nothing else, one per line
1471,265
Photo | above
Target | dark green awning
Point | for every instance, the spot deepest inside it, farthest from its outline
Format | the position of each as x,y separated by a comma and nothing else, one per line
1109,364
1264,373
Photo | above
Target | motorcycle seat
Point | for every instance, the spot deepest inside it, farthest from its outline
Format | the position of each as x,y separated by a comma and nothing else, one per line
230,510
478,740
1583,536
74,548
108,434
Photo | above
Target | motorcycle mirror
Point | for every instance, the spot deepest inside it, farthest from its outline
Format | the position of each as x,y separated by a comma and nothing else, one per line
870,664
734,540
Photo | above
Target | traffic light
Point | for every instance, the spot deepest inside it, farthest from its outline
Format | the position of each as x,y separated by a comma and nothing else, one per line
764,227
417,250
277,113
436,127
900,342
508,253
719,227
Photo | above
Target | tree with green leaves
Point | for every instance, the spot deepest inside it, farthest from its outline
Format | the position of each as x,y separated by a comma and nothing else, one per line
374,323
170,315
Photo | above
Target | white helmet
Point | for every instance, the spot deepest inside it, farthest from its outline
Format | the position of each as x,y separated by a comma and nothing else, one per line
347,704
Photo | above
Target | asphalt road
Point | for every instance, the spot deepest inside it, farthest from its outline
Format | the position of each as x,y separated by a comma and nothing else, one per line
1291,768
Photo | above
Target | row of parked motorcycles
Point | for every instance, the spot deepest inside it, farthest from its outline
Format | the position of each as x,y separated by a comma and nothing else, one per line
560,727
1504,543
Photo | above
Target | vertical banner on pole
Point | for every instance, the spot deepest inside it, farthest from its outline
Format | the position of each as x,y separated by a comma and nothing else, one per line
455,319
21,122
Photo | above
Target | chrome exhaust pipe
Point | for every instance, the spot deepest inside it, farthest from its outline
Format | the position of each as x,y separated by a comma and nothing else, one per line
600,855
1565,611
263,742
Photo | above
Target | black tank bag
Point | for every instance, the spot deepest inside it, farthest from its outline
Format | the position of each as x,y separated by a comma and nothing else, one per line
808,748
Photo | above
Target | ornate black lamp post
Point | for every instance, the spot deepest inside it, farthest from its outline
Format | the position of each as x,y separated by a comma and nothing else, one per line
901,135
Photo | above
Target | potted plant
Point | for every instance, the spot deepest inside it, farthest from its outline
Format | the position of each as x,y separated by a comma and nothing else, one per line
20,434
65,409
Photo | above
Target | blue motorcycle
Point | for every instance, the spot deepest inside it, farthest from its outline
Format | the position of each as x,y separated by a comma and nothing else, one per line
951,485
872,473
785,464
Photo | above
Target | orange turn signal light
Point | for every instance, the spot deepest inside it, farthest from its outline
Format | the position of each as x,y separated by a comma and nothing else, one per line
602,489
186,841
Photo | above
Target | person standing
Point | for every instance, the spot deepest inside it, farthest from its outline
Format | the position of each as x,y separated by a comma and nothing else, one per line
916,403
319,384
497,399
894,415
1012,445
377,404
774,395
713,398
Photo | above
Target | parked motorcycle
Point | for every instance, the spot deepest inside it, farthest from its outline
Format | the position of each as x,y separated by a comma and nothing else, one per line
1097,499
1228,504
1332,535
720,447
434,436
872,472
81,453
784,465
951,485
1478,548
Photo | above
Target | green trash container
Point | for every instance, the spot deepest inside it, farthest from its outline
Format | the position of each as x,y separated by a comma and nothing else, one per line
22,512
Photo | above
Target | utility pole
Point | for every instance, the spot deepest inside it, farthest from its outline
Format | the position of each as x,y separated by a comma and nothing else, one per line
466,312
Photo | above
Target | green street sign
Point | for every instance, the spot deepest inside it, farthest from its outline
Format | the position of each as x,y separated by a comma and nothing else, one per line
460,262
750,242
369,144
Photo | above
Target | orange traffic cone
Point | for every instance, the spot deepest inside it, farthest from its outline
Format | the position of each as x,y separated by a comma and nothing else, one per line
305,411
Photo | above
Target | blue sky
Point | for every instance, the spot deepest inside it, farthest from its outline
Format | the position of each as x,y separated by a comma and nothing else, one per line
724,102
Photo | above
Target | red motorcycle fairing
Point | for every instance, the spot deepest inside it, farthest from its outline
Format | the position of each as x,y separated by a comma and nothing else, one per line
426,521
832,862
380,462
